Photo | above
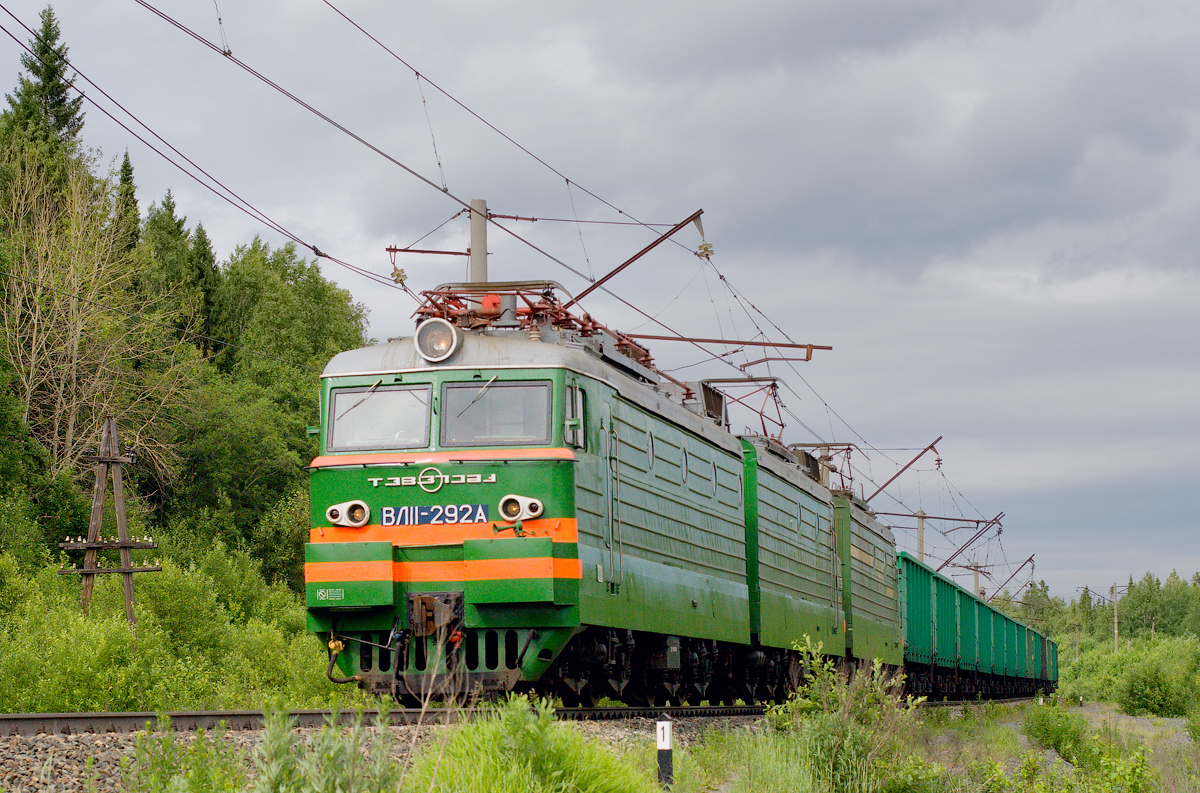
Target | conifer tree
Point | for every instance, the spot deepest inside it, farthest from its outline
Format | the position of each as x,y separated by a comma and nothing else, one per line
128,217
171,278
43,106
204,263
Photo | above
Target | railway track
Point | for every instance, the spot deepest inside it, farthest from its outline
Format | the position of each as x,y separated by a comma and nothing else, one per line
30,724
188,721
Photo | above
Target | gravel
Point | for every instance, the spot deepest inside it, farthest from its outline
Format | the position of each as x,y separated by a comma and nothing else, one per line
63,763
1167,732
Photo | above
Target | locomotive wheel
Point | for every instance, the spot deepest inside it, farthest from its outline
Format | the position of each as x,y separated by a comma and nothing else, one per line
569,698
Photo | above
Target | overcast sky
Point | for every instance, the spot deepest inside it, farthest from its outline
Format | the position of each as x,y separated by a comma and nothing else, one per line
989,210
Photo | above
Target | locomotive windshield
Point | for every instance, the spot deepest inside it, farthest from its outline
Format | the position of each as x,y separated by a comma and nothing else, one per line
388,417
491,413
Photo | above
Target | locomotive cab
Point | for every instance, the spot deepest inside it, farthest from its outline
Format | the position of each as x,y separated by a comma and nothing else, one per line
443,558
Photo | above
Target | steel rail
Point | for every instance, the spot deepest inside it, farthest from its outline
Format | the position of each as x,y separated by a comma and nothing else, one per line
951,703
30,724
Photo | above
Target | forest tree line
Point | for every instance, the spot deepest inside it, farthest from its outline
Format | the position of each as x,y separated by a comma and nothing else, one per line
208,365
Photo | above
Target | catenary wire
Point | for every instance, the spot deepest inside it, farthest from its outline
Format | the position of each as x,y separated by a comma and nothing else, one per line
250,70
250,210
480,118
543,162
236,201
337,125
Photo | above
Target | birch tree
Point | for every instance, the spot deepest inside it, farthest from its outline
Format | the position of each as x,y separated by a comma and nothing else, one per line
80,341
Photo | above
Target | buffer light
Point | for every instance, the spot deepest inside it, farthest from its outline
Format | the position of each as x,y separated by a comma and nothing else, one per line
350,513
514,507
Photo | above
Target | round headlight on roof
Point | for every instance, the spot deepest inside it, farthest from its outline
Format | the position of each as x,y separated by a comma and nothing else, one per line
436,339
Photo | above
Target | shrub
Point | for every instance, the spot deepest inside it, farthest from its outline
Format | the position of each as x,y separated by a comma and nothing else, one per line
20,535
1063,731
518,749
188,650
163,764
1193,725
1151,689
16,586
851,722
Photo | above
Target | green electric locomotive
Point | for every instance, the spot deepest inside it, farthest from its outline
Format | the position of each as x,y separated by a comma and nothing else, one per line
515,499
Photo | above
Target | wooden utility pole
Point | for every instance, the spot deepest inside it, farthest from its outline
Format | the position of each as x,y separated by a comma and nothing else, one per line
1116,629
108,461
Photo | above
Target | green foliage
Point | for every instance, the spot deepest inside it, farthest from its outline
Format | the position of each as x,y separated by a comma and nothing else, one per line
509,748
915,775
1193,725
1061,730
1103,761
211,634
16,586
850,724
182,273
274,301
127,217
516,748
20,535
356,759
243,441
163,763
278,540
36,508
220,441
239,458
771,762
1151,688
1156,677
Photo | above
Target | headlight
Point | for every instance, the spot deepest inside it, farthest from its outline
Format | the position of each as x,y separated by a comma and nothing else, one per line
354,514
515,507
436,339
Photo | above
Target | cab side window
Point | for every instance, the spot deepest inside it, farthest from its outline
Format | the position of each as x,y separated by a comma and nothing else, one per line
575,426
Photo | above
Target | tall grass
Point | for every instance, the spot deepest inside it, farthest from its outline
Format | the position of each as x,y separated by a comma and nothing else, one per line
849,723
518,748
510,747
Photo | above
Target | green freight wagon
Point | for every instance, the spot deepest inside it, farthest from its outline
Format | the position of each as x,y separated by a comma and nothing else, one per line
957,646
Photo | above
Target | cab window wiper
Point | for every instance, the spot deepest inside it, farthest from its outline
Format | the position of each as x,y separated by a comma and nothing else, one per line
365,397
477,396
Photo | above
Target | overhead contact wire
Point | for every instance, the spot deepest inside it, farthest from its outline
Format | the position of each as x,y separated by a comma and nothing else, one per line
253,72
236,201
465,205
481,119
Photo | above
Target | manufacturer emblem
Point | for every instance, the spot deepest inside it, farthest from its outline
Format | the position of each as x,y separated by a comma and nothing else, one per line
431,480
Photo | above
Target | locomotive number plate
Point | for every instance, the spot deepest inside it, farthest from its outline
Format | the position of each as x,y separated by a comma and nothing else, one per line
435,514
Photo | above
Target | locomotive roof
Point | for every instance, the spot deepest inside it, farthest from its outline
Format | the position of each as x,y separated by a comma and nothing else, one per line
476,351
479,351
